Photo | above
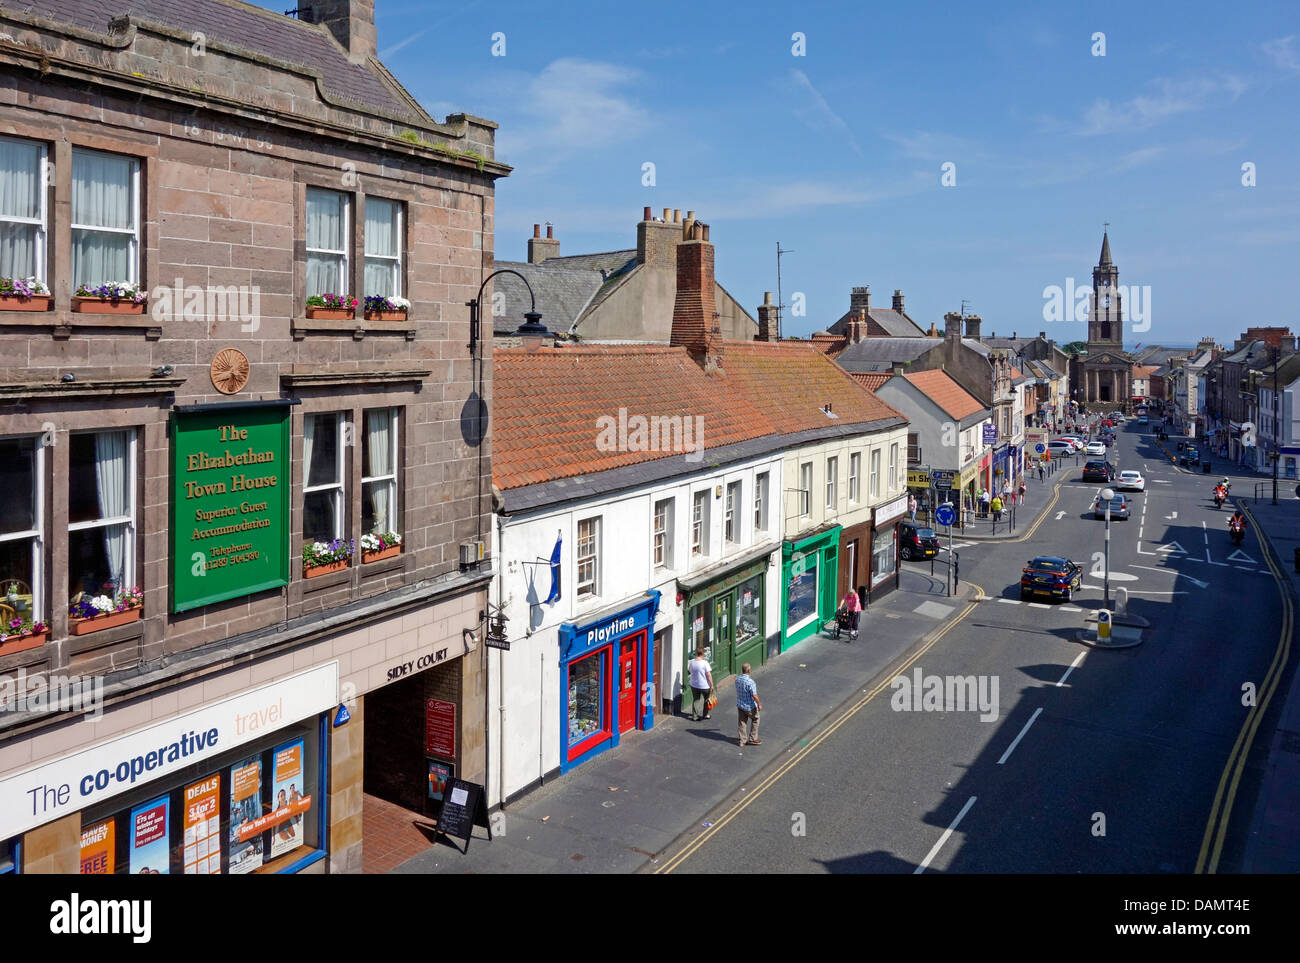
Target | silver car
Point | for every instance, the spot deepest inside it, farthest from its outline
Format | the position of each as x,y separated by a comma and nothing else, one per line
1118,507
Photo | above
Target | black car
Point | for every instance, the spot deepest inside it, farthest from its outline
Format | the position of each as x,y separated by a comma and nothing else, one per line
916,542
1096,471
1050,575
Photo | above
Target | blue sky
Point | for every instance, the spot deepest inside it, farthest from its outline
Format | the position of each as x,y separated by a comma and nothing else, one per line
837,154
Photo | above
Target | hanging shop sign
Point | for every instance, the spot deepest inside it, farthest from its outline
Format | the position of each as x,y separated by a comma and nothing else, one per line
918,478
229,503
990,434
891,510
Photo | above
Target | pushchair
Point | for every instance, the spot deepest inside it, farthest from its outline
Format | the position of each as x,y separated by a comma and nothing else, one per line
842,621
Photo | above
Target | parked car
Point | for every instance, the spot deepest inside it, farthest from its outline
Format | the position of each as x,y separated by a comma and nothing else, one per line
1118,507
1096,471
1078,441
1190,455
1051,576
1095,448
1059,447
917,542
1132,481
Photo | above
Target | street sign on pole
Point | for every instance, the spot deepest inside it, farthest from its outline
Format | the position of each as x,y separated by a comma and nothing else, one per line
945,515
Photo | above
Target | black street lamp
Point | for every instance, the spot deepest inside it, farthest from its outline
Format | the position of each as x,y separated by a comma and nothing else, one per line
532,331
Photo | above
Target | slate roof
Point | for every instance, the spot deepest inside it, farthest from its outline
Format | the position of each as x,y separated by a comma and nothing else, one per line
940,388
562,294
251,28
542,434
897,324
869,353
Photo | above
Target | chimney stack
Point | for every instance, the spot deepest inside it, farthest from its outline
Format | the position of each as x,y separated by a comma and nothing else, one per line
897,366
656,241
352,22
952,326
973,327
766,319
898,301
540,248
1042,335
933,332
860,300
695,313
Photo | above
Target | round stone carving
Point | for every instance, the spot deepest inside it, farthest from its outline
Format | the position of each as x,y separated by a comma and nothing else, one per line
229,371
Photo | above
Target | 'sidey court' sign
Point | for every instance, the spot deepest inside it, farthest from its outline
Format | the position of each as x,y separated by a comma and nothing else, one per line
229,504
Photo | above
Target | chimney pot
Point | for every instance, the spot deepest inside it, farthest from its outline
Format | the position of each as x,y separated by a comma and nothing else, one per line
645,215
767,297
677,215
537,230
549,235
690,215
706,232
667,214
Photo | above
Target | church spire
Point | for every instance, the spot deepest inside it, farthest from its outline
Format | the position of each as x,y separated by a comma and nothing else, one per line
1105,248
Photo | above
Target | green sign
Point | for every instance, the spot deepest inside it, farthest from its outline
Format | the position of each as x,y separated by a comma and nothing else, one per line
229,504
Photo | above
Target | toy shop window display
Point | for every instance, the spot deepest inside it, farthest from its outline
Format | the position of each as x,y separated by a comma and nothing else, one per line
588,712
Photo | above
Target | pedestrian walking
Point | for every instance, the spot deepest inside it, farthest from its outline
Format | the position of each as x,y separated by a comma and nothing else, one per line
911,507
996,505
747,707
1006,492
984,501
1040,471
701,674
851,606
1020,493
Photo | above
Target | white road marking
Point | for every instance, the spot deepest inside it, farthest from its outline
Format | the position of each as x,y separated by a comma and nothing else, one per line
1073,665
1173,548
1059,516
1243,557
1172,517
1175,572
1070,608
944,838
1212,561
1206,532
1015,742
1010,601
1038,605
1242,568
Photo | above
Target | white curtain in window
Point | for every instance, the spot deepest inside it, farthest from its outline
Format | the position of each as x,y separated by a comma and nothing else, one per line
20,179
325,229
308,436
381,247
101,197
379,428
111,487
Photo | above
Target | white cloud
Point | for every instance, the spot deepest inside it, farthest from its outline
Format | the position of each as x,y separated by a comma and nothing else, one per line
573,106
804,196
1282,52
819,114
1167,98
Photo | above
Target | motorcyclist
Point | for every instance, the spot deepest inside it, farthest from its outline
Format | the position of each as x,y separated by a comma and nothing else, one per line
1219,496
1237,526
1225,485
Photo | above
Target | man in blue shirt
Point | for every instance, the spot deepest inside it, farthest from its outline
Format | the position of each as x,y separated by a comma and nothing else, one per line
747,707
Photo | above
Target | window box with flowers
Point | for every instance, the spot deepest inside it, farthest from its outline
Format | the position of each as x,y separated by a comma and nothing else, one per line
381,308
24,294
19,635
321,558
94,613
113,297
380,545
331,307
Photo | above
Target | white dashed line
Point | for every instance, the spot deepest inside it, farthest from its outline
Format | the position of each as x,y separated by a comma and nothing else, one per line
1073,665
934,851
1038,605
1070,608
1010,601
1015,742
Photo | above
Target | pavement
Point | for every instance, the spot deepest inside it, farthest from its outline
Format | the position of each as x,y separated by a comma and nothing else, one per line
624,810
1273,842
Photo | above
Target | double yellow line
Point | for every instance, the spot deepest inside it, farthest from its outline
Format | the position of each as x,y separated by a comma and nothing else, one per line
1216,827
773,777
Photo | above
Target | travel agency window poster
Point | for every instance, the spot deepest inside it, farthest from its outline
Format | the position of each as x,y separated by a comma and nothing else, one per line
245,812
151,837
289,802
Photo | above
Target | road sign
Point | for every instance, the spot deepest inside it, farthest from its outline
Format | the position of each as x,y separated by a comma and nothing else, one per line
1040,448
945,515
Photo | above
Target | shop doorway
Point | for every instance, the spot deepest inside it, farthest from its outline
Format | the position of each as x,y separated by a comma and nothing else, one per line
849,576
629,659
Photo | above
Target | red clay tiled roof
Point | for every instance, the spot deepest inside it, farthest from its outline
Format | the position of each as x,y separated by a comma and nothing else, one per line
946,393
549,408
829,345
871,380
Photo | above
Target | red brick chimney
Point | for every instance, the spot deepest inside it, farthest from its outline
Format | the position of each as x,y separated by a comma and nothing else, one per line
695,313
857,327
352,22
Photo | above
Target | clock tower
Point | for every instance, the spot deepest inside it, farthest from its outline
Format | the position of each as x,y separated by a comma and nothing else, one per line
1107,371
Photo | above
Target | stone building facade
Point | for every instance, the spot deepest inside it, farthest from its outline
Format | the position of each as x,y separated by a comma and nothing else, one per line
230,163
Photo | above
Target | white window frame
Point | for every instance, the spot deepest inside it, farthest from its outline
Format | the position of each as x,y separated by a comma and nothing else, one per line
760,502
42,222
855,477
399,227
133,266
37,534
661,547
339,486
700,523
805,489
893,467
345,285
732,514
128,554
875,473
390,478
832,482
590,587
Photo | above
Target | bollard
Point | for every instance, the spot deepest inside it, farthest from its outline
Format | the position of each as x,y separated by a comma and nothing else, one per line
1121,601
1103,625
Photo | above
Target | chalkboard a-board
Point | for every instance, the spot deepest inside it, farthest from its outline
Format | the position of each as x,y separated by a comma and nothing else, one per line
463,808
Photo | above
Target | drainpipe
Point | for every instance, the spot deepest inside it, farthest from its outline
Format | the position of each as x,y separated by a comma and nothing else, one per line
501,679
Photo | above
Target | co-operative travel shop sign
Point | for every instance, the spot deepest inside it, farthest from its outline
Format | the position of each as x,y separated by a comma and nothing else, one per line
229,503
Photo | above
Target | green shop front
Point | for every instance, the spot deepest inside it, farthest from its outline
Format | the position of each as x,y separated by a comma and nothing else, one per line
809,575
726,614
